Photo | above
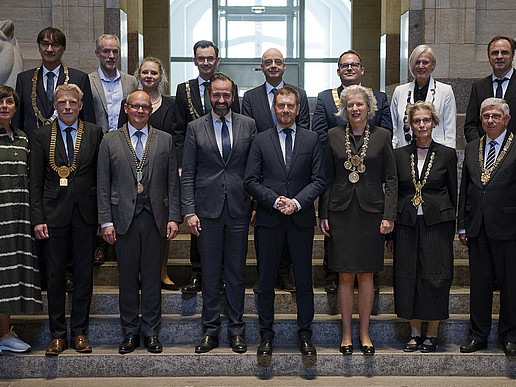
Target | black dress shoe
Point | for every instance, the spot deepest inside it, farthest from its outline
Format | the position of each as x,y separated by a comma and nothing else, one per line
265,348
169,286
238,344
346,349
413,347
509,348
152,344
286,283
331,287
193,287
131,341
207,344
306,347
222,287
473,346
367,350
69,285
425,348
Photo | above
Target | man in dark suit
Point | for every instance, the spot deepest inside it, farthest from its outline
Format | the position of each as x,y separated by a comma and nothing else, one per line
350,71
139,208
217,209
487,225
64,212
284,175
192,101
36,87
500,84
257,104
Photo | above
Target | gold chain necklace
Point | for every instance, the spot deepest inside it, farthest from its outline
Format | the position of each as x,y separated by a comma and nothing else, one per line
486,173
37,112
417,200
64,171
139,164
355,163
191,109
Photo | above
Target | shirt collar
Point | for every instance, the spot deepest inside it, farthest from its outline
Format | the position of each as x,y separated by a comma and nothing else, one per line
343,87
269,87
106,79
216,117
63,126
201,81
499,139
280,128
507,75
132,130
55,71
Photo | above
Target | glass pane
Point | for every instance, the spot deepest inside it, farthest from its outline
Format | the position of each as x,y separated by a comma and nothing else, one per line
180,72
244,3
186,27
319,77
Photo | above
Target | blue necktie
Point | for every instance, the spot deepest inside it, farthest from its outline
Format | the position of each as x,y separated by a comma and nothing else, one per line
226,142
499,89
491,154
273,91
288,146
69,145
139,145
50,86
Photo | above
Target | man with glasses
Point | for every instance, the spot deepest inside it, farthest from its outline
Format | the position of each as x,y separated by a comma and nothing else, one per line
350,71
138,208
500,84
36,86
193,101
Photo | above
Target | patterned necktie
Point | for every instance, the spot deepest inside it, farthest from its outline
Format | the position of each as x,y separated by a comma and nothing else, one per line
288,146
207,103
491,154
69,145
499,89
139,145
273,91
50,86
226,142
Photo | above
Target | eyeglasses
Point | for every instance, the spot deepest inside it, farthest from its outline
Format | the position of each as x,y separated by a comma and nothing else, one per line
496,117
344,66
137,107
47,44
425,121
209,59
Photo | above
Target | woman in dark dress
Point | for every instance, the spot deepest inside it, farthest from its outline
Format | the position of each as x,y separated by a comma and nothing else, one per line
20,291
355,210
425,228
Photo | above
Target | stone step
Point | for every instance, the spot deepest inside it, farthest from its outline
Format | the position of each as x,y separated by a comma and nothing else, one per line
105,301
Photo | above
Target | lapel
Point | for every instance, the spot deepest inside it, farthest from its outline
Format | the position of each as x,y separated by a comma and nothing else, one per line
41,96
420,174
125,85
488,87
60,148
210,133
196,95
235,126
127,150
97,84
277,147
151,153
163,111
507,134
264,101
298,143
511,88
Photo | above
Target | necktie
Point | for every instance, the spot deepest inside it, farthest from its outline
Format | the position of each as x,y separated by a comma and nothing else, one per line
226,142
139,145
69,145
50,86
491,154
207,103
499,89
273,91
288,146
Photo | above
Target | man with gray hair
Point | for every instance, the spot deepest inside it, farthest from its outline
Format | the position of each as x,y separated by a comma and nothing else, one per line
487,226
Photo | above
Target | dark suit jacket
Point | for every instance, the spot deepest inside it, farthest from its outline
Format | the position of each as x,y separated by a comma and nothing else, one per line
51,203
480,90
380,168
440,191
182,115
267,178
25,119
206,180
324,115
255,104
117,185
129,84
492,203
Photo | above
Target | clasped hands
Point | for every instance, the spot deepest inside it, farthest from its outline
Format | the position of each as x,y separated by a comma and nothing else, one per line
286,206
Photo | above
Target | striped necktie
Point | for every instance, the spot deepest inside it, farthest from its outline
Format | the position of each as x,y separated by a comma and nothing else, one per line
491,154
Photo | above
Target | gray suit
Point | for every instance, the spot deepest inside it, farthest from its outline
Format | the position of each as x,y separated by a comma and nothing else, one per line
129,84
213,190
140,220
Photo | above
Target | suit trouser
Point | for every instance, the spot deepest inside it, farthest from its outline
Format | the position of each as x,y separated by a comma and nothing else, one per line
300,242
139,253
223,241
76,239
195,257
285,260
490,259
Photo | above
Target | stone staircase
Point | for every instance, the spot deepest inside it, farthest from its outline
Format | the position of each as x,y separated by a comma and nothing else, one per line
181,330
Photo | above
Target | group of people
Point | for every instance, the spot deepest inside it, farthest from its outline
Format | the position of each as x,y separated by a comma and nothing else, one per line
151,162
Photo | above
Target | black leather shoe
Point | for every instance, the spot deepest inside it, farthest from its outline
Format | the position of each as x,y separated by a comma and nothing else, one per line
413,347
346,349
367,350
193,287
152,344
169,286
222,287
509,348
207,344
425,348
265,348
331,287
286,283
306,347
238,343
131,341
473,346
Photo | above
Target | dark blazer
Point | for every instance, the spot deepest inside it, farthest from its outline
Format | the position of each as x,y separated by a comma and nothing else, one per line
267,178
206,180
440,191
480,90
182,114
50,203
380,168
116,181
492,203
25,118
255,104
129,84
324,115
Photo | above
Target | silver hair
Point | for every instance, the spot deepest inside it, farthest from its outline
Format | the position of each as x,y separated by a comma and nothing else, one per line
416,53
356,89
496,102
68,87
420,105
106,36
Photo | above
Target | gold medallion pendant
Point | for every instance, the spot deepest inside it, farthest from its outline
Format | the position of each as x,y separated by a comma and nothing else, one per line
63,182
417,200
356,160
354,177
485,177
63,171
361,168
347,165
139,188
